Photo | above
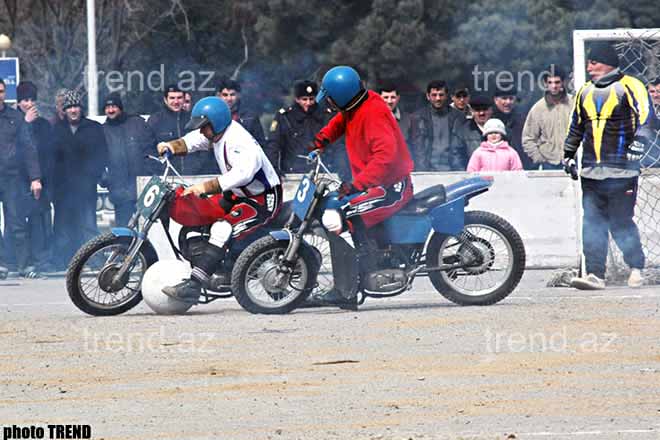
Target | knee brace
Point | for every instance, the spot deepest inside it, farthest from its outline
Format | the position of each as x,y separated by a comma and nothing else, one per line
220,233
333,221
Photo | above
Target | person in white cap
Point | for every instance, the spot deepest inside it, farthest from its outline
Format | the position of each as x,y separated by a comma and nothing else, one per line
494,153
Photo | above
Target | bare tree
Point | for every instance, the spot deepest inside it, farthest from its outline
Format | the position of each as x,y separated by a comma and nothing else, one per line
50,35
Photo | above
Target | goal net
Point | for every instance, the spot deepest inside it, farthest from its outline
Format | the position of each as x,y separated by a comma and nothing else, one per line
639,56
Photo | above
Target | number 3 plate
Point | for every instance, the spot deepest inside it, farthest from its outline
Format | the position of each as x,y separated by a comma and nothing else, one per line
304,197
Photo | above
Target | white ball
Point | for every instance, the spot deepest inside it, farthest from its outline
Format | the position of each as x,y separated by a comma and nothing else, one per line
161,274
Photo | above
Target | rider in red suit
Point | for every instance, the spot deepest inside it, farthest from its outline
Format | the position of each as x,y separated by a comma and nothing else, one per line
377,151
379,158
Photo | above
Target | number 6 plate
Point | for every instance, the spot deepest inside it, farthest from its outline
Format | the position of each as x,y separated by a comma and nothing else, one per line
151,196
303,197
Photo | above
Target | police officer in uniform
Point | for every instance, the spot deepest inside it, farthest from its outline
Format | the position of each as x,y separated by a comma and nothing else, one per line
294,128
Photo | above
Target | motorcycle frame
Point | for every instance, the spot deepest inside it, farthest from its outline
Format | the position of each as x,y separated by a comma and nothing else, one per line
438,215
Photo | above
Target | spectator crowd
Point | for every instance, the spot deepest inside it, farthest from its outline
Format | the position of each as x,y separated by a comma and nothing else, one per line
50,169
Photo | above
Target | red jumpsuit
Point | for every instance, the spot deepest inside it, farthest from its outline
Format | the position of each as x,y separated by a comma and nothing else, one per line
379,158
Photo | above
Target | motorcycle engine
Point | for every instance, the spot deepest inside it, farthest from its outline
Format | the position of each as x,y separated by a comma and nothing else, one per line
387,280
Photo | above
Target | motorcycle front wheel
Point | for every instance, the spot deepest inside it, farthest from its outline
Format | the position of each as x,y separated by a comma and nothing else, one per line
89,277
499,267
260,286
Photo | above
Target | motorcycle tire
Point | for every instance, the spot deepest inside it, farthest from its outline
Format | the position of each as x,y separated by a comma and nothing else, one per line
446,282
74,285
244,271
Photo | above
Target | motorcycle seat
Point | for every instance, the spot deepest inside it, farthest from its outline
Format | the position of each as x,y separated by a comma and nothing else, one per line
426,199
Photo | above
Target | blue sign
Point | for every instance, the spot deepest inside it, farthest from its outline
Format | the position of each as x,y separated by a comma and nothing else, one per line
9,74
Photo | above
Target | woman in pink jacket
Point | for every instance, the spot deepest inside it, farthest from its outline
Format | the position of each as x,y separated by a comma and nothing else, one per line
495,153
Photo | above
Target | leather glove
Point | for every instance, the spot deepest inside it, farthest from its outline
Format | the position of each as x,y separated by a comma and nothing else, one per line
319,143
346,188
204,189
163,147
570,167
176,147
635,150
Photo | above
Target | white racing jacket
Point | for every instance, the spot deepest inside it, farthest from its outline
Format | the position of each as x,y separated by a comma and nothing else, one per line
244,167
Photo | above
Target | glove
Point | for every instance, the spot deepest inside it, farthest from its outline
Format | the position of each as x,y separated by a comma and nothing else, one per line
176,147
319,143
346,188
205,188
635,151
164,147
570,167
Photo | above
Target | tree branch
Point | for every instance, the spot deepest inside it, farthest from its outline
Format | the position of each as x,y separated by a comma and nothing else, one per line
246,55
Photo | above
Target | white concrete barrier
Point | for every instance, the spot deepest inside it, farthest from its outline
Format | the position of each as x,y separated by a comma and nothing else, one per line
541,205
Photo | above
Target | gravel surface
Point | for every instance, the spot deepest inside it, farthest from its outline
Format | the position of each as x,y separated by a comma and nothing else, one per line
544,363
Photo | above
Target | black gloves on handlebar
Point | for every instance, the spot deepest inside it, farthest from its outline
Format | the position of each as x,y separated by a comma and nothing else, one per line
319,143
346,188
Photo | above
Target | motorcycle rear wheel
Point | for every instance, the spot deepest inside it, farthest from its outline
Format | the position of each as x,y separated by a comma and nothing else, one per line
502,266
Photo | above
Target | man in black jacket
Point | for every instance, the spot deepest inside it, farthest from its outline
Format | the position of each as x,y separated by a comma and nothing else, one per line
434,132
129,140
169,124
80,157
20,175
229,91
38,211
294,128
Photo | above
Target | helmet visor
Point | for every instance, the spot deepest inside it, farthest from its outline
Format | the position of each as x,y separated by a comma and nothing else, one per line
197,122
321,95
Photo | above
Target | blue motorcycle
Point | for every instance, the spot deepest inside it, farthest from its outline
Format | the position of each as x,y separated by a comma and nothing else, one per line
471,257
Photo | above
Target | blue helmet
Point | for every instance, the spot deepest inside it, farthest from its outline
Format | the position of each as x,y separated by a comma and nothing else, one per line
210,110
342,84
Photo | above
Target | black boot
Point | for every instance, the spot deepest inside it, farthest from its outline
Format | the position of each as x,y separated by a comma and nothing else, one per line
187,291
190,290
331,299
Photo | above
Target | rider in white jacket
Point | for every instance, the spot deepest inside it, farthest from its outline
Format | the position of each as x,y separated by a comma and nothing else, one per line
245,196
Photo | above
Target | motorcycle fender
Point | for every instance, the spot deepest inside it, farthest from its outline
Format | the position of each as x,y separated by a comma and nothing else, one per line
449,218
147,247
281,235
127,232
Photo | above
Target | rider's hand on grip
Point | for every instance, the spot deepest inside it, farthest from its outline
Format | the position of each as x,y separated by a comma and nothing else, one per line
346,188
163,148
570,167
196,189
319,143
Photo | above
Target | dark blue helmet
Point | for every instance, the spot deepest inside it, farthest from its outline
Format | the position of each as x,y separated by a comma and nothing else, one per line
341,84
210,110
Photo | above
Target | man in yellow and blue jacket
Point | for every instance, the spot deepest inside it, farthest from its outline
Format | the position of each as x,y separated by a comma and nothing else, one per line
611,119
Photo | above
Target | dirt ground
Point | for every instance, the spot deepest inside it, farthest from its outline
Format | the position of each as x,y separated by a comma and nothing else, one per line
544,363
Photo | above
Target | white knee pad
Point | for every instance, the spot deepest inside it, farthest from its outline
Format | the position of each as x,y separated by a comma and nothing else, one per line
332,220
220,233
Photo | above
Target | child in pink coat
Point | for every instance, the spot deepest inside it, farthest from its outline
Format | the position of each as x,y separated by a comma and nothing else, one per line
495,153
